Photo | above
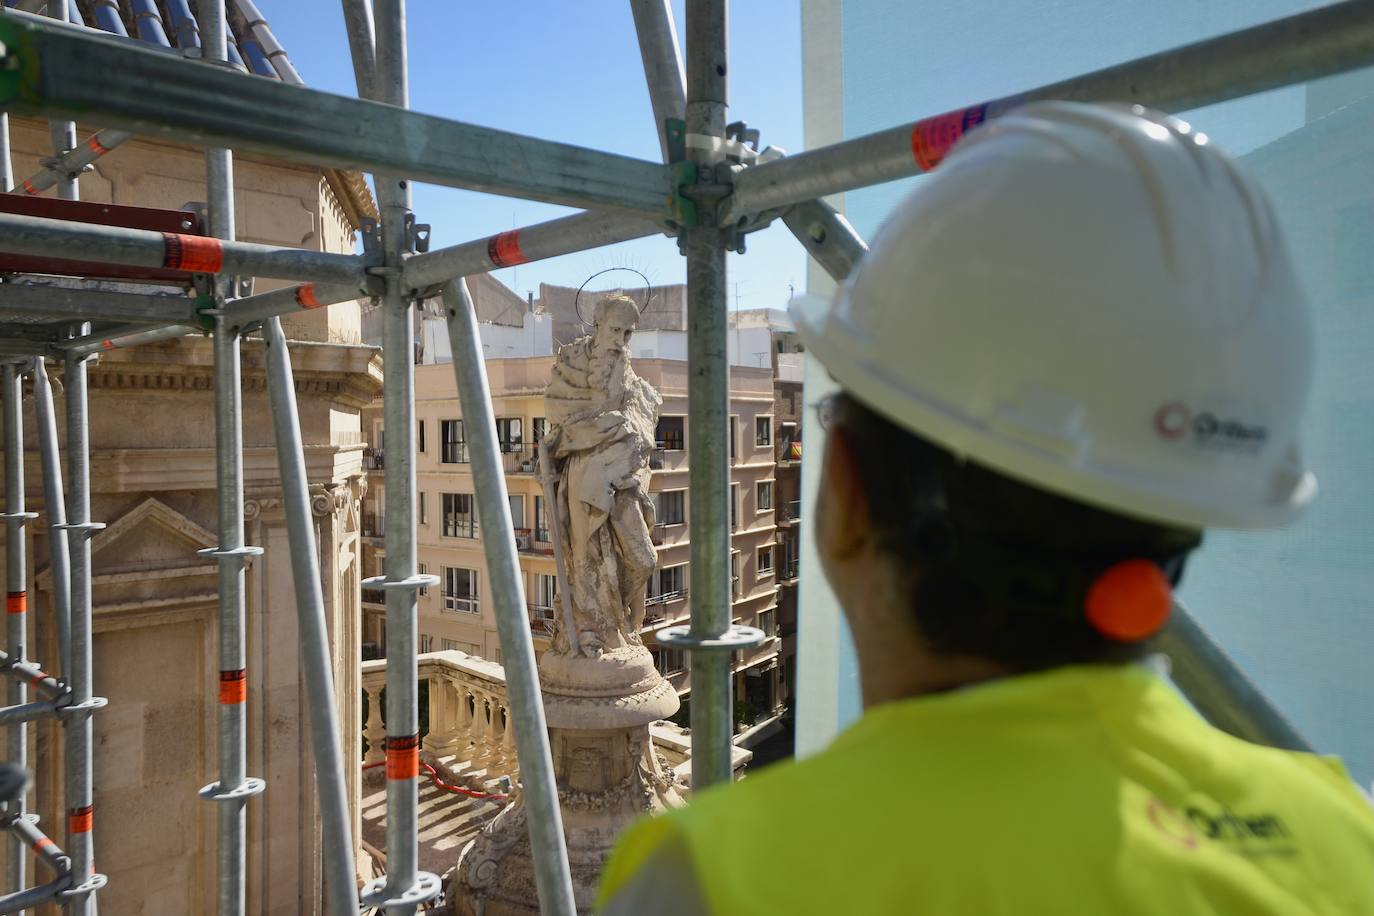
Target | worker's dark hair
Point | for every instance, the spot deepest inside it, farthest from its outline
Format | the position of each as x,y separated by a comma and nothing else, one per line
996,568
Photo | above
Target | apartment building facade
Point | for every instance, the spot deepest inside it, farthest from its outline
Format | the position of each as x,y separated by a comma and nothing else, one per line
458,614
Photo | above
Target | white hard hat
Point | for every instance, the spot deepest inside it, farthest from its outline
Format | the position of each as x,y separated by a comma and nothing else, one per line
1093,300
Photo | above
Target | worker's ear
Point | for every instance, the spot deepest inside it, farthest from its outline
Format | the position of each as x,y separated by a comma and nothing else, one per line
842,518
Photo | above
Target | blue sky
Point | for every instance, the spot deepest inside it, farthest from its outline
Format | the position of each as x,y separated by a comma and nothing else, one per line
569,72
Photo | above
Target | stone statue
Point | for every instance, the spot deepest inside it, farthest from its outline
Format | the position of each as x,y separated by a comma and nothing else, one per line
598,680
602,419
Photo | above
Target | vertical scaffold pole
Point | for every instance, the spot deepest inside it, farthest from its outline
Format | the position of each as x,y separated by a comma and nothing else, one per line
54,505
63,133
708,410
234,787
338,853
547,844
77,722
16,597
404,886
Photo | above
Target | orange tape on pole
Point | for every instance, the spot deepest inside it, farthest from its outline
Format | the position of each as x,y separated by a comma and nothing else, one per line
305,297
504,249
96,146
16,602
28,187
193,253
42,844
233,687
80,820
403,757
933,138
39,676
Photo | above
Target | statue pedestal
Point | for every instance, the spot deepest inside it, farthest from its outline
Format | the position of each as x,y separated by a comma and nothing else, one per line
598,712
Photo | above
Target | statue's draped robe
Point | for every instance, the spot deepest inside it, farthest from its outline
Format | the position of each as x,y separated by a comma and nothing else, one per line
601,432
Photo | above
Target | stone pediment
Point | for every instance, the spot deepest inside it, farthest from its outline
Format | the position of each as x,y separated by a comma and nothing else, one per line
146,558
150,537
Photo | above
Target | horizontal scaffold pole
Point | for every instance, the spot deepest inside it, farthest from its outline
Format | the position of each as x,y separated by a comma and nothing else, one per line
73,161
52,71
1322,42
565,235
39,237
67,303
117,338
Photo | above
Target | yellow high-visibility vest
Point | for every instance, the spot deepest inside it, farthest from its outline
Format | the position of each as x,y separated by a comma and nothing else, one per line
1084,790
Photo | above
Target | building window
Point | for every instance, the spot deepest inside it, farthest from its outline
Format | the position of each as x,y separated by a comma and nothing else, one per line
672,507
455,450
763,430
460,590
764,495
426,643
460,515
734,435
667,584
424,509
669,436
541,522
424,571
768,622
734,505
765,561
450,645
510,433
538,427
670,661
422,436
498,657
517,510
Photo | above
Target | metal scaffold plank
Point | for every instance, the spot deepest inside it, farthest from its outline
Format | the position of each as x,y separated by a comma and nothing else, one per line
1307,46
58,71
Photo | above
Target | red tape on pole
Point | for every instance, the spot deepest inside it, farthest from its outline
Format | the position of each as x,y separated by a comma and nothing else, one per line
233,687
96,146
28,186
42,843
39,677
403,757
194,253
79,820
933,138
504,249
16,602
305,297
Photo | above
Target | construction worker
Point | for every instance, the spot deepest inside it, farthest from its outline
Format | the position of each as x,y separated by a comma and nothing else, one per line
1083,341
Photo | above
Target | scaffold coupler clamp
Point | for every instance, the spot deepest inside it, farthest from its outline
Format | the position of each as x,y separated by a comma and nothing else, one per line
94,881
243,555
410,583
732,640
378,893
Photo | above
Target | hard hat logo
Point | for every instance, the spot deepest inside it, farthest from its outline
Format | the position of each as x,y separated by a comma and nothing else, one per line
1172,420
1175,421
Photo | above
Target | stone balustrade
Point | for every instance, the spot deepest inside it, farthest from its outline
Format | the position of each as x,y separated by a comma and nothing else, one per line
470,738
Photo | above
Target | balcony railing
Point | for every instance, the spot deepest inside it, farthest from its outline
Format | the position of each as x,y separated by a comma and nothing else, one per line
454,453
374,596
788,571
373,459
666,597
373,525
541,619
462,605
517,458
524,539
789,511
470,739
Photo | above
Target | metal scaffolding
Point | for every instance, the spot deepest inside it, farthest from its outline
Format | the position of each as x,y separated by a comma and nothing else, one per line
709,191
